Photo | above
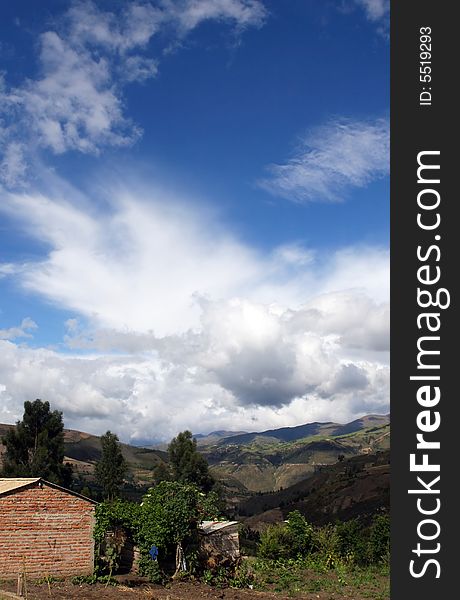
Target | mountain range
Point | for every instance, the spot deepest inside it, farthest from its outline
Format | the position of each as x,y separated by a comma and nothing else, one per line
257,470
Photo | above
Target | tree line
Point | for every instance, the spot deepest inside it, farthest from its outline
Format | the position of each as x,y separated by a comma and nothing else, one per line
35,448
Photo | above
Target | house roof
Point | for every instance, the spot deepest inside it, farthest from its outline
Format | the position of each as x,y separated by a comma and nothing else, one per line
12,484
8,484
212,526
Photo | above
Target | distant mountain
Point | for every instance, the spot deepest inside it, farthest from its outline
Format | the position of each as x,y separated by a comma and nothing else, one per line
289,434
245,462
205,439
265,463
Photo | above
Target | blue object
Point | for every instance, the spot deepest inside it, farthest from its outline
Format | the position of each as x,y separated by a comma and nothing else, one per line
153,552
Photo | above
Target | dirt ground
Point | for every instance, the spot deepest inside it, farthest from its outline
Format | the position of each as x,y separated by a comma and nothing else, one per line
64,590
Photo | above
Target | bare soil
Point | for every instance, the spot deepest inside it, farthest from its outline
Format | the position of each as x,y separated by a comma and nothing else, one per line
65,590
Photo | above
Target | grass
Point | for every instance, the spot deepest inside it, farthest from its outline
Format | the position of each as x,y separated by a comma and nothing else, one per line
298,576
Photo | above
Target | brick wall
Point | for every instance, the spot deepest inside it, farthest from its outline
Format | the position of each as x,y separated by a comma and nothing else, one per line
46,531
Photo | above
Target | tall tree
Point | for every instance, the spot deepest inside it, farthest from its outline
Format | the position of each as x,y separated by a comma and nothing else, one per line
35,447
111,468
188,465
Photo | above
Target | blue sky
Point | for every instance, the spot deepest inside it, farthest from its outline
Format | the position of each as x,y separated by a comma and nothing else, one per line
194,212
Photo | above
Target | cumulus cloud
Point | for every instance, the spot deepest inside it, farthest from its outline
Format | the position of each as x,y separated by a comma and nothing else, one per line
332,159
173,311
76,101
247,366
23,330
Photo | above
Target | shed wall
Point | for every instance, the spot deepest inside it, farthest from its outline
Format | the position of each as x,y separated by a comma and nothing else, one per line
45,531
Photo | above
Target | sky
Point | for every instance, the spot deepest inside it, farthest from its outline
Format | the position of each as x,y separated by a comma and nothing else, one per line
194,213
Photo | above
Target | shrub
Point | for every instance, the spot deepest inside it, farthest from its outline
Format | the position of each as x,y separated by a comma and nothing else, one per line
352,542
326,543
301,533
379,539
275,542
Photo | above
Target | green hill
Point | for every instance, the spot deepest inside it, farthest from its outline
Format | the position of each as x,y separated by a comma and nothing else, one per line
245,463
266,463
355,487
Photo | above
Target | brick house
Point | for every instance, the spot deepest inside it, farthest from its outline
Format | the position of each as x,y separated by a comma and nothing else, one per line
45,529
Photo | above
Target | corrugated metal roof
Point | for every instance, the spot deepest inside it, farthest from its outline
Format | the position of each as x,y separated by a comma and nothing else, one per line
8,484
212,526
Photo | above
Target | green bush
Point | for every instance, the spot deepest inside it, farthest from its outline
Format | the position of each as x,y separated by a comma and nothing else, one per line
326,543
352,542
275,542
327,547
301,533
151,569
287,540
379,539
168,515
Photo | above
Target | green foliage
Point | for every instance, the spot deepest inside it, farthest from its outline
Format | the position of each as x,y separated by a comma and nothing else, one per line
187,464
173,513
169,514
301,533
328,547
162,472
379,539
86,491
353,541
119,513
287,540
111,468
308,574
249,540
35,448
151,569
275,542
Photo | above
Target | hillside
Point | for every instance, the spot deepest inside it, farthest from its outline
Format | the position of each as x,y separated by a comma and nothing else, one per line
245,463
355,487
266,463
289,434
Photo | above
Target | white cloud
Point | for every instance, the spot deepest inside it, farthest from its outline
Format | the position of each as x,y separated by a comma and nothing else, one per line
207,332
74,105
76,102
375,10
248,367
87,25
23,330
8,269
144,264
139,267
331,159
190,13
13,166
138,68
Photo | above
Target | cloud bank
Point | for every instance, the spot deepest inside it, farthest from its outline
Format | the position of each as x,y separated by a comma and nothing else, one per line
179,324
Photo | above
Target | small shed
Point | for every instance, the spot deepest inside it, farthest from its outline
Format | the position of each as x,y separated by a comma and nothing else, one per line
219,541
45,529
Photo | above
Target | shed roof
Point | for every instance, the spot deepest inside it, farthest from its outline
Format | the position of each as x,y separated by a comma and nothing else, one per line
212,526
12,484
